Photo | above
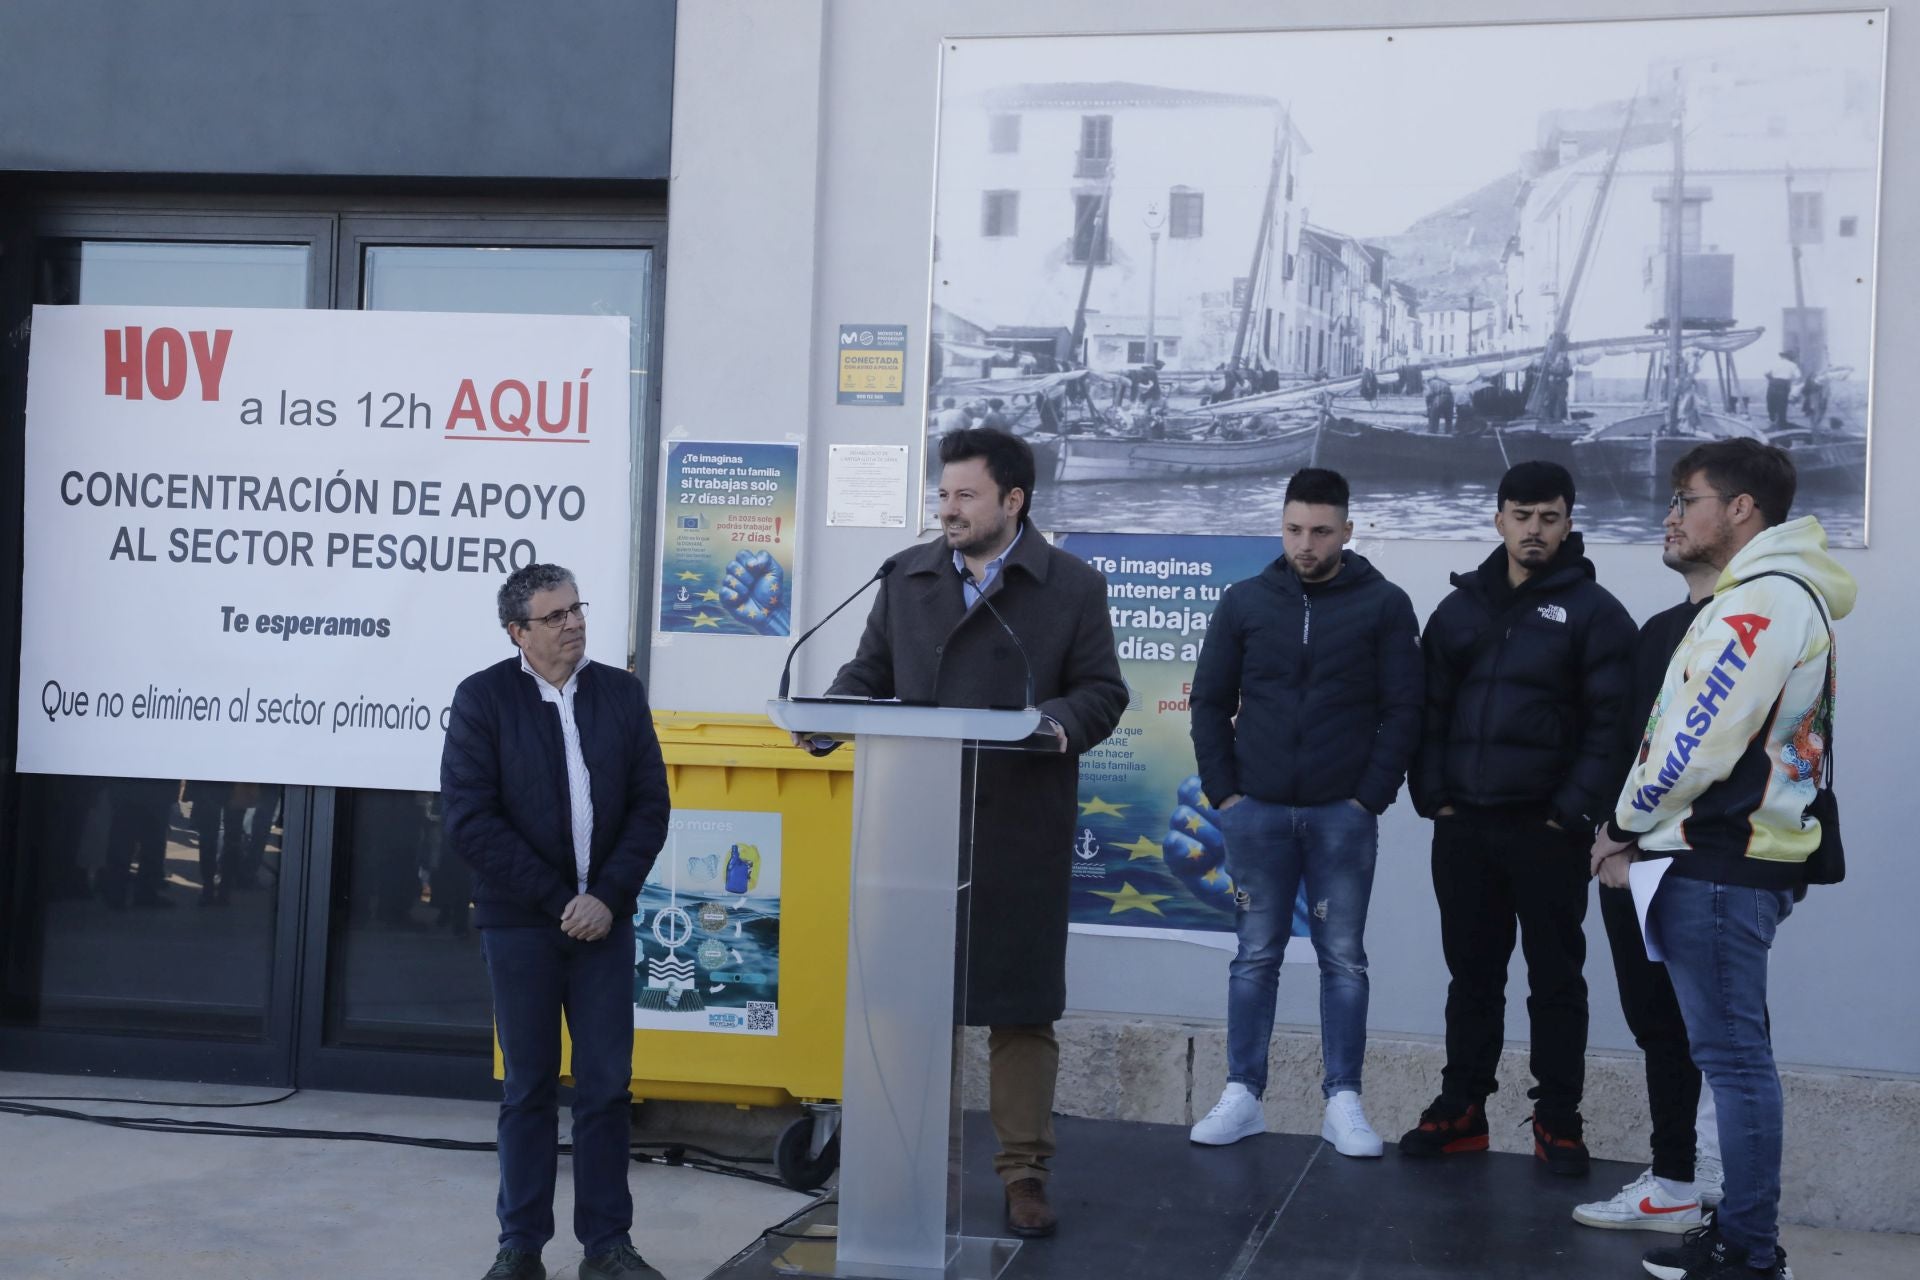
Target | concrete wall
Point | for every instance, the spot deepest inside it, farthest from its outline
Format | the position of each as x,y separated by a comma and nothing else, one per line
803,197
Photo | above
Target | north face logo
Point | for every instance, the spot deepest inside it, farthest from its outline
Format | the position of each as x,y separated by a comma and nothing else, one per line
1553,613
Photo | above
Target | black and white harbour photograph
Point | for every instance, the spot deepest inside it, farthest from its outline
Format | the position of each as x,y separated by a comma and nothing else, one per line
1183,266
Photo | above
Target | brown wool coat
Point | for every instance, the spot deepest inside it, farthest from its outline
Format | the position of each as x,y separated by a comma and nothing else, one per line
922,644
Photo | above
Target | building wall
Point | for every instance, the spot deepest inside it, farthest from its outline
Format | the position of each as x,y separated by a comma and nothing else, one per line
847,238
1148,162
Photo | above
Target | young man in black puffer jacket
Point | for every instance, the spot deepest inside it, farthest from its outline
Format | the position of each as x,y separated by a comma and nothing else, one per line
1529,668
1306,713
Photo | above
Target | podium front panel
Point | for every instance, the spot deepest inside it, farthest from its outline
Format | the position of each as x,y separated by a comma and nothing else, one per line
899,1142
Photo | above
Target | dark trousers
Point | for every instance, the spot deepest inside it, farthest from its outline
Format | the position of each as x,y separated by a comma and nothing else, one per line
537,973
1491,872
1653,1015
218,851
138,836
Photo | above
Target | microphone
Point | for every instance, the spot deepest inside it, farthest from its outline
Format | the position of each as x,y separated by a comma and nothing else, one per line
786,672
966,575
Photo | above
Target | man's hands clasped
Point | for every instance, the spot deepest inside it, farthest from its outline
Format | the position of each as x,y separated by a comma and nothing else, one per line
1610,859
586,919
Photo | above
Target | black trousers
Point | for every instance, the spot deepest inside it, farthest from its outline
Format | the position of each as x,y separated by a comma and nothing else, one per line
1496,873
1653,1015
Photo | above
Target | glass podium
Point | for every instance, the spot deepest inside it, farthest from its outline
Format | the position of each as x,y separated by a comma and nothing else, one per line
900,1214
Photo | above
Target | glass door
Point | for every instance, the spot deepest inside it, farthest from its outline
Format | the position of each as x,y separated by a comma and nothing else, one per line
396,991
151,922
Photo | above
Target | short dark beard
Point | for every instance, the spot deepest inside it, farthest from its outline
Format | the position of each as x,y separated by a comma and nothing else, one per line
1330,568
978,545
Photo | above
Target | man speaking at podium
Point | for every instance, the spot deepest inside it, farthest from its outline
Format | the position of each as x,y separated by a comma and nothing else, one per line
940,633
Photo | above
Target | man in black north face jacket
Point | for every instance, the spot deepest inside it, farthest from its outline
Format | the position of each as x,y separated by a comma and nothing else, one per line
1529,682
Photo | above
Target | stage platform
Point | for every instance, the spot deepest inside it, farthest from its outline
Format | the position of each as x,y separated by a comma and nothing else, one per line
1141,1200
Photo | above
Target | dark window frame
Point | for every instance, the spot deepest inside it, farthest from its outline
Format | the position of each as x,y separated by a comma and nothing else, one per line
1806,217
1186,214
337,228
999,214
1003,133
1089,211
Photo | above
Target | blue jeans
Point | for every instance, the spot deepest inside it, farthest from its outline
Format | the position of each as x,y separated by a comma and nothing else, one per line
536,973
1716,938
1271,848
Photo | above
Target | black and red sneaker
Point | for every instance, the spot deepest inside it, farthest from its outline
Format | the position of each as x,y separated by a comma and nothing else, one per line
1558,1145
1447,1128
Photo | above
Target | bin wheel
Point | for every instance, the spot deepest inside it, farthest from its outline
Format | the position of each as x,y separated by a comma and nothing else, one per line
793,1156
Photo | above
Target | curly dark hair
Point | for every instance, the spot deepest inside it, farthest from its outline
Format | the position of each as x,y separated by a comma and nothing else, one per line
522,585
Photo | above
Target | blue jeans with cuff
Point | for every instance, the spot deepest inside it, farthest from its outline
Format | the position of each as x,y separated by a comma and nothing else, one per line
536,974
1271,849
1716,938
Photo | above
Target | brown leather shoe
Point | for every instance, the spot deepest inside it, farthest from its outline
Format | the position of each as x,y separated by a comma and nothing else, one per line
1028,1213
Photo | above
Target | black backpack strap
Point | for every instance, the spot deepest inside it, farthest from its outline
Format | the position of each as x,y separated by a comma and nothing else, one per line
1826,691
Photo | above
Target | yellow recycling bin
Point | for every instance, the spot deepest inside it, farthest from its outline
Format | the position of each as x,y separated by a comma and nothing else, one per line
740,967
763,919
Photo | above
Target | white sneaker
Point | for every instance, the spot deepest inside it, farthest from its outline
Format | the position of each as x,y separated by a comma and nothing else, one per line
1346,1126
1641,1205
1237,1115
1709,1179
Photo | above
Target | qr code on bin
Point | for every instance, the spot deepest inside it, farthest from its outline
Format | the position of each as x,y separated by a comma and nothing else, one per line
760,1015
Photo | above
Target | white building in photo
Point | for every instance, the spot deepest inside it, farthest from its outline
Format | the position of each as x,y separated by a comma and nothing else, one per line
1025,172
1776,159
1461,324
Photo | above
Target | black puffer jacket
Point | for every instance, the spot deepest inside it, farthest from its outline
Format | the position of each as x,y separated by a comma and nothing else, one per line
508,809
1528,693
1325,682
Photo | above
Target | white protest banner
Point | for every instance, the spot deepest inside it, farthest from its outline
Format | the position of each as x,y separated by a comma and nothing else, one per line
265,545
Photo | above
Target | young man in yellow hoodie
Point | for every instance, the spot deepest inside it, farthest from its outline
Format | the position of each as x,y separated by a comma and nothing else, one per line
1729,763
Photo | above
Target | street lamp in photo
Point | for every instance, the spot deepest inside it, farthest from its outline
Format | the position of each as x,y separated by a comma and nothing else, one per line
1154,220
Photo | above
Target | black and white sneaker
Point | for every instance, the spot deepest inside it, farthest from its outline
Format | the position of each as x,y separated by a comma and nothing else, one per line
1704,1254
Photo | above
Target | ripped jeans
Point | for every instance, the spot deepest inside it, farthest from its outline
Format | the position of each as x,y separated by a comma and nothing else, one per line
1270,849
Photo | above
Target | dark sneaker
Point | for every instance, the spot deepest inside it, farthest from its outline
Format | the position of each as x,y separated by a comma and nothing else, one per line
516,1264
1704,1254
618,1263
1733,1266
1028,1213
1447,1128
1558,1145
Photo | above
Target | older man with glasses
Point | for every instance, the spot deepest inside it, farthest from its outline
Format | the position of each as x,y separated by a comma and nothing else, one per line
555,794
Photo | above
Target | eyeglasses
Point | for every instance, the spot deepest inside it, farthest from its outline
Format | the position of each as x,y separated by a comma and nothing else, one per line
558,618
1681,501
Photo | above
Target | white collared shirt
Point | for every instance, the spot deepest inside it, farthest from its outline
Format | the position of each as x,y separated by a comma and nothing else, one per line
968,591
579,782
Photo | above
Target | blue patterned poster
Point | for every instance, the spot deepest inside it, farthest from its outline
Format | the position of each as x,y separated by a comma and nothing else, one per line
727,546
1148,854
707,927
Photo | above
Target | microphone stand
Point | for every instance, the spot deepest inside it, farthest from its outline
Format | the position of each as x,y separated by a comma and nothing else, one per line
786,671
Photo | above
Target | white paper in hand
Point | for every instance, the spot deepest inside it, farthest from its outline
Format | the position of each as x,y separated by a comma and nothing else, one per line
1643,878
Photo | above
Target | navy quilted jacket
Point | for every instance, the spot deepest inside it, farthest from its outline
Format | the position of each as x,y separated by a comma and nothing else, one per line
503,786
1307,696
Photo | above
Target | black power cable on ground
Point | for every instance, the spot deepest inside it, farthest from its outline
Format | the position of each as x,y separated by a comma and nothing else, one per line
141,1102
672,1154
